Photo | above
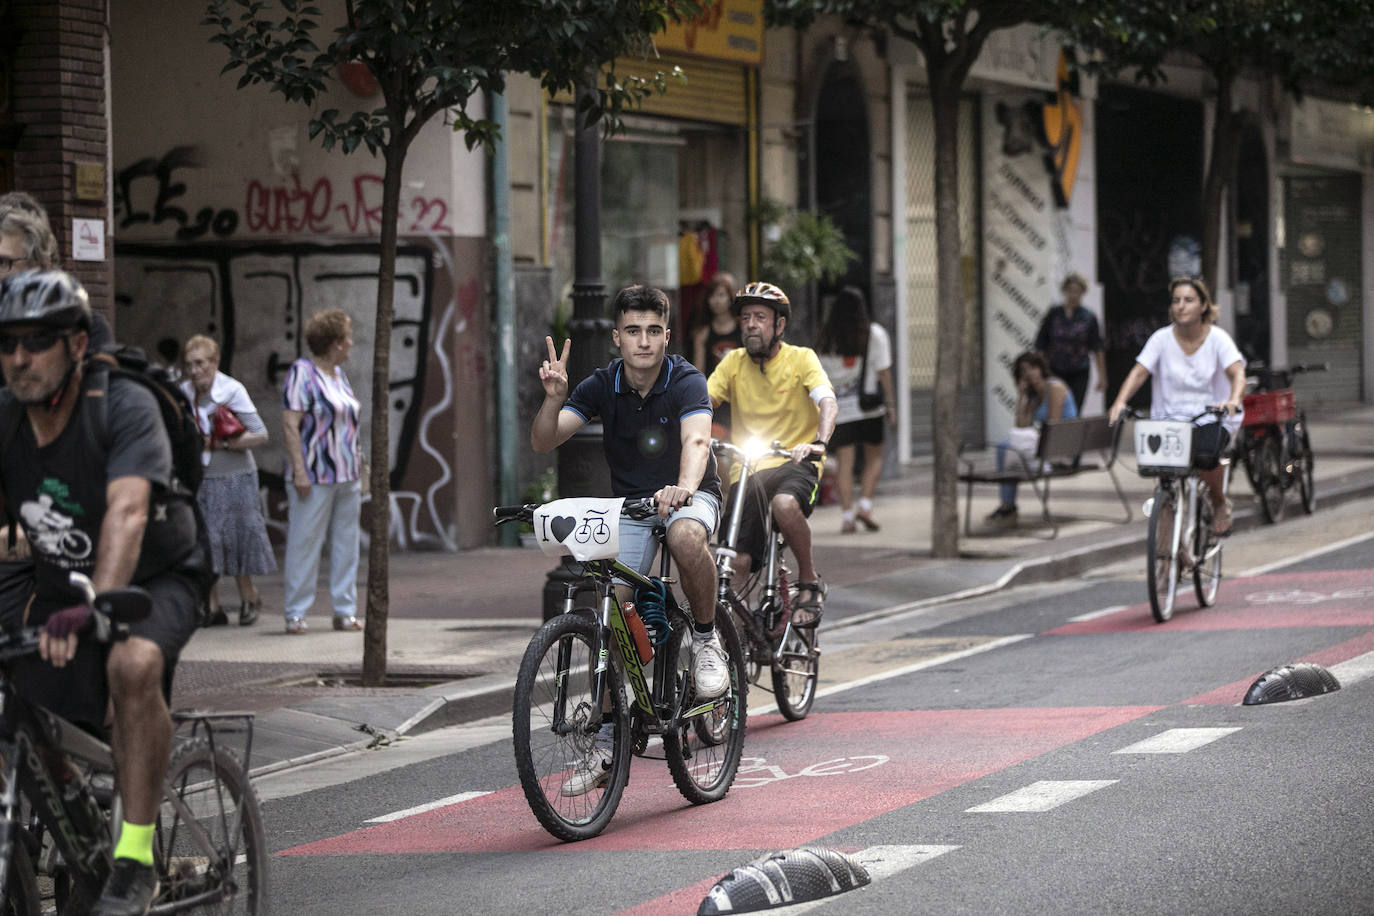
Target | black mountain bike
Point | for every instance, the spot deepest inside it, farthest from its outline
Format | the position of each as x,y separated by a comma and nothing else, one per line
776,640
59,811
587,662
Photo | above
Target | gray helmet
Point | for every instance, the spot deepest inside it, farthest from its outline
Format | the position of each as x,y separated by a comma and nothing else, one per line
52,298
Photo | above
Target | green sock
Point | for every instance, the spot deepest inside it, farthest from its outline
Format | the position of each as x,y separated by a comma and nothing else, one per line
135,842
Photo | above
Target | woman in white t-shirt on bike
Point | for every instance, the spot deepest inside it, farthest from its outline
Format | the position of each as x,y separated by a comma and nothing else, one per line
1194,365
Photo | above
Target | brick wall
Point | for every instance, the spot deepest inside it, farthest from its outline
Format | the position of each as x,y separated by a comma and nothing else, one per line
59,97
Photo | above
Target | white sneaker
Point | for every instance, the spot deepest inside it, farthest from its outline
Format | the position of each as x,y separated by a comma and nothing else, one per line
710,668
591,773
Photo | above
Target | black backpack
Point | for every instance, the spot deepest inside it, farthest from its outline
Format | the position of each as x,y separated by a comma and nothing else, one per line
178,415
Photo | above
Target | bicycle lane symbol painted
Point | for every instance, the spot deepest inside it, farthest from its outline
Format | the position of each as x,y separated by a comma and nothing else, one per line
757,771
1302,596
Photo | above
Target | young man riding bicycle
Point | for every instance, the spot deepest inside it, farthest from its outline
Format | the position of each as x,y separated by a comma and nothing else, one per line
656,417
777,392
100,492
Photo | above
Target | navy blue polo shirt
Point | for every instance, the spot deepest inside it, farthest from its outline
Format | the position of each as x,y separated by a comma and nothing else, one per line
642,437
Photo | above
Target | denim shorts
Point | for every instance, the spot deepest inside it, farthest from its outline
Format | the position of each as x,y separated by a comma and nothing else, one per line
637,546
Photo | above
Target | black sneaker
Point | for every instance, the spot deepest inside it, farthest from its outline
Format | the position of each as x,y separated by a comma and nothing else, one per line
128,891
217,618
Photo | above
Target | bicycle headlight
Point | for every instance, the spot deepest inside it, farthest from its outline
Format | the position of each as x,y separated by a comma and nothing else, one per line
755,448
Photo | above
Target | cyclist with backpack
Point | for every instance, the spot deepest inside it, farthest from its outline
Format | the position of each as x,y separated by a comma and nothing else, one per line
87,446
777,392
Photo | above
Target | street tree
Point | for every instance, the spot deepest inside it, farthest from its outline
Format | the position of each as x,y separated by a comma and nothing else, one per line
430,59
1300,46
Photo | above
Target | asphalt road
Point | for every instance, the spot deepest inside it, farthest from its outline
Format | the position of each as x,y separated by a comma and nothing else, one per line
1049,749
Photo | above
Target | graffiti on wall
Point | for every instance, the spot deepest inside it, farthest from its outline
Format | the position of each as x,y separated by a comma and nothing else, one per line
155,192
255,300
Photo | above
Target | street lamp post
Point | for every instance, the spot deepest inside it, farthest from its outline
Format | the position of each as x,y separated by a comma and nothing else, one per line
582,469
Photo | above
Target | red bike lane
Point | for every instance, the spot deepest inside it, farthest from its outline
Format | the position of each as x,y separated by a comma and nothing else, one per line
802,781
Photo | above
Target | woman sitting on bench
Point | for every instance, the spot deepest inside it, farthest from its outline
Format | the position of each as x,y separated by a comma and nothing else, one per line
1040,398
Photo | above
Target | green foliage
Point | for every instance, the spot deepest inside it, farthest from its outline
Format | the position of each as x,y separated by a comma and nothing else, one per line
430,58
810,248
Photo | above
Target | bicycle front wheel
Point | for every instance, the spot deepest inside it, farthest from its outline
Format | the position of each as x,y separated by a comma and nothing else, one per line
21,884
1161,572
703,770
796,665
210,845
569,785
1306,484
1206,555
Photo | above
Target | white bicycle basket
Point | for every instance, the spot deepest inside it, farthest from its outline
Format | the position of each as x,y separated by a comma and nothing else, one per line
1163,446
583,527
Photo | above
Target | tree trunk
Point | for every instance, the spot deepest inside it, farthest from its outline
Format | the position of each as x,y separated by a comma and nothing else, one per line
1221,169
379,522
949,334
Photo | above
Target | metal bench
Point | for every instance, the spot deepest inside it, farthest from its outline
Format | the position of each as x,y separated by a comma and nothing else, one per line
1059,453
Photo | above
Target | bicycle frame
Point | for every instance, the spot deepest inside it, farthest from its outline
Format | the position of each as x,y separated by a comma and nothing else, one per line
760,635
651,702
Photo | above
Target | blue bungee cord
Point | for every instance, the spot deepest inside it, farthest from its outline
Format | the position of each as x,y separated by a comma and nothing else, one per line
653,611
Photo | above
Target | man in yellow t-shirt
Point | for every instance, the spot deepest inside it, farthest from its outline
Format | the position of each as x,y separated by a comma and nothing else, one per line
777,391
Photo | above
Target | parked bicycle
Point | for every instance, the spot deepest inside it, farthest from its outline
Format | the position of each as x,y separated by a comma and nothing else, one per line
59,811
1180,537
633,667
774,638
1273,443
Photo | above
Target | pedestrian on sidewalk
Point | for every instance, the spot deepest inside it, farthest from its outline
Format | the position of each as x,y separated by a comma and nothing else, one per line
319,419
856,354
228,494
1041,398
1069,339
716,334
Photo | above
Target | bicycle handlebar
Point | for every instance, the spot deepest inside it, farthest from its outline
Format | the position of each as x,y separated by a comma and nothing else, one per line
774,450
1137,414
639,508
111,612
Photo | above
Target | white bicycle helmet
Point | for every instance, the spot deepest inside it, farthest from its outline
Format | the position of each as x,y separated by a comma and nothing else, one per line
759,293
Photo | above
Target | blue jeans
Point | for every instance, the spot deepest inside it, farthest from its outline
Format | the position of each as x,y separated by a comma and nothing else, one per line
330,510
1007,490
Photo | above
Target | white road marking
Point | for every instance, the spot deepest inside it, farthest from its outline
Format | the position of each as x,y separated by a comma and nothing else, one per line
1305,555
428,806
1093,615
881,862
1045,795
916,666
1354,670
1177,741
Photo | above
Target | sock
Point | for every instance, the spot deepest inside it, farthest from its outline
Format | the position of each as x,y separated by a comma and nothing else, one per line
702,631
865,504
849,515
135,842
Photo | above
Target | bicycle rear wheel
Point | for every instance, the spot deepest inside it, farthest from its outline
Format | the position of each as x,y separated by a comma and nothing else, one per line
1306,483
704,769
210,843
554,723
796,666
1206,556
1269,475
1161,572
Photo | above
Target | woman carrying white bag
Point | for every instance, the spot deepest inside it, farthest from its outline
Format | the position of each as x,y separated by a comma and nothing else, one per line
1040,398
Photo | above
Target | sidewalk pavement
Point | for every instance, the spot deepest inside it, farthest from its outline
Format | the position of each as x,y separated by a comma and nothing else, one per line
459,622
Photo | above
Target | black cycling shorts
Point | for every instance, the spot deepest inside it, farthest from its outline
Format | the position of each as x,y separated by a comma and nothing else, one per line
78,691
801,481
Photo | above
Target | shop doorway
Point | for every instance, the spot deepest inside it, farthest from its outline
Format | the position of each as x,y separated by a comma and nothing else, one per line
842,165
1252,234
1149,213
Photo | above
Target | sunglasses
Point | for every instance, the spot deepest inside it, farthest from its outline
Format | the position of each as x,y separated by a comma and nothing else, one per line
39,341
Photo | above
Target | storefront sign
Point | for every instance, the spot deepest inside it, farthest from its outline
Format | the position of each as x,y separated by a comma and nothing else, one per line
1020,56
1333,134
1019,246
727,30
